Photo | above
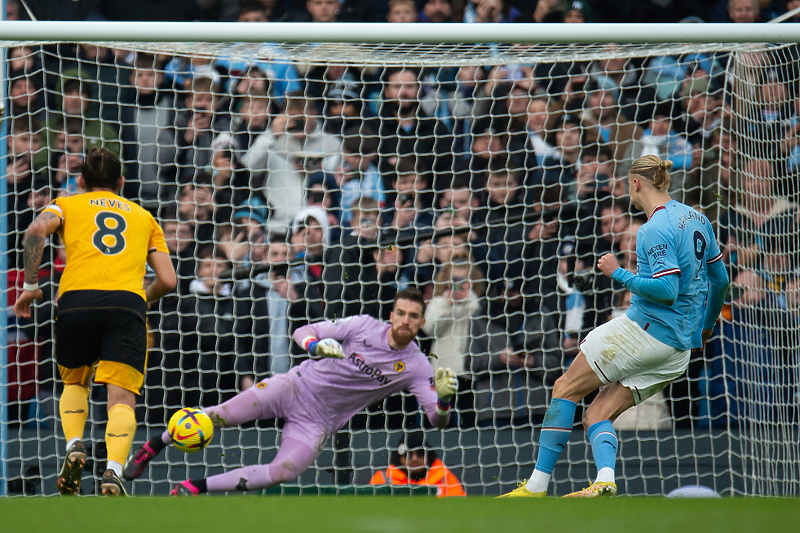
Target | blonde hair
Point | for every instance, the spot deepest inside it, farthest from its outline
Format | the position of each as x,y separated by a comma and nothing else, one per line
653,169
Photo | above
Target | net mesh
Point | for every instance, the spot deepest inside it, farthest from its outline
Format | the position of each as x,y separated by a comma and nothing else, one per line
302,182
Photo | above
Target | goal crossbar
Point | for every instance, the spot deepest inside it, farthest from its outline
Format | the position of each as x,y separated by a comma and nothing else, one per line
296,32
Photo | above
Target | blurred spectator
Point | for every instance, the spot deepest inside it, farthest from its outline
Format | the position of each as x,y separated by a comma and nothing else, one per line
252,11
577,12
179,237
249,122
307,244
233,184
402,11
406,129
448,319
197,126
537,122
437,11
742,226
212,303
791,5
768,122
414,463
501,226
391,279
661,139
738,11
107,77
338,11
465,101
359,174
671,73
558,170
351,276
490,11
622,76
412,215
26,97
294,147
514,368
344,110
701,111
549,11
196,207
322,192
488,150
280,292
323,10
74,96
148,143
719,166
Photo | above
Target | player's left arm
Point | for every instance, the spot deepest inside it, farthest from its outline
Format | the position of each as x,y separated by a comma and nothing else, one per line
718,282
434,394
166,279
42,227
159,260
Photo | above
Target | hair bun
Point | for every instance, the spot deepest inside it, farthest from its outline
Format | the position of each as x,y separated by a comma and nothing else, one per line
665,165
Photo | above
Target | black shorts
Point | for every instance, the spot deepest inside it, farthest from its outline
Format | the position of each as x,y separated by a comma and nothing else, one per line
114,338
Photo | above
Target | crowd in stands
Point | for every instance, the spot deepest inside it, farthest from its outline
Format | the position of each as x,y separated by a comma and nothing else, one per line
291,192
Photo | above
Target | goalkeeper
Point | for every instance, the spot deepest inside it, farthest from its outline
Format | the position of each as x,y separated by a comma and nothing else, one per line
363,361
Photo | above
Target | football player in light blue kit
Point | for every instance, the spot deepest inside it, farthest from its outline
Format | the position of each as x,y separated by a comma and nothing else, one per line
678,293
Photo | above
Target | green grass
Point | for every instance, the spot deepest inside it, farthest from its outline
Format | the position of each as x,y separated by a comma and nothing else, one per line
355,514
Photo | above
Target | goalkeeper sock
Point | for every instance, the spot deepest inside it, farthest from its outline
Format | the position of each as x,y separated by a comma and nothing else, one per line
74,408
604,443
556,429
119,435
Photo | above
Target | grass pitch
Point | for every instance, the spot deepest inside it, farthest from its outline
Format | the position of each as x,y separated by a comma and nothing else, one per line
384,514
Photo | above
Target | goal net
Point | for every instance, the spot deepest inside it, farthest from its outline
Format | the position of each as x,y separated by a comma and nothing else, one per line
300,182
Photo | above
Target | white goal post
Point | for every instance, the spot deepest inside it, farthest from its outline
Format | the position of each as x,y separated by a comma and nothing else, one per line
249,135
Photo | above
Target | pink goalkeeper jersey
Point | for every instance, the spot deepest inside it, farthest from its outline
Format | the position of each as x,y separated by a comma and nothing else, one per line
336,389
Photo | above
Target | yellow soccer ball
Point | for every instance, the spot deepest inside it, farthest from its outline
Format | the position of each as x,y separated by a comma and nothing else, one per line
190,429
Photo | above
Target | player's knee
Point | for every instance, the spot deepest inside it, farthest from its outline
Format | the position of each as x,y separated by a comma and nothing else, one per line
283,472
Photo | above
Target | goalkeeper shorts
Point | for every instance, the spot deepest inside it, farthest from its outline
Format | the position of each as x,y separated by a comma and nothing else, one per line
110,343
620,350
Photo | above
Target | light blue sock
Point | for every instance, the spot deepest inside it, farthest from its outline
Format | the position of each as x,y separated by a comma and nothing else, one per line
604,443
554,435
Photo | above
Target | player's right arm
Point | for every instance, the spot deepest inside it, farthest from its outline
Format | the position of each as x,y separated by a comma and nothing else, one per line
322,338
657,242
166,279
42,227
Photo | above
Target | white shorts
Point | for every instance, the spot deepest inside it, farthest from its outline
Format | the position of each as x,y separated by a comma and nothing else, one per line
620,350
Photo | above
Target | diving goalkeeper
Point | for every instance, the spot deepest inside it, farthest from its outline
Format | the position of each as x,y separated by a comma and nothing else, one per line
363,361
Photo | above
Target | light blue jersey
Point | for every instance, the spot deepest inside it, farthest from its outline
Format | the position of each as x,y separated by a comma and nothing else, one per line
676,240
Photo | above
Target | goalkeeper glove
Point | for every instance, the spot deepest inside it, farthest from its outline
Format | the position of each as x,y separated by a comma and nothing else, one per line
446,384
326,348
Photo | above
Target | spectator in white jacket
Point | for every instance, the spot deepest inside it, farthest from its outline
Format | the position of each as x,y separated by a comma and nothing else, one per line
455,302
294,147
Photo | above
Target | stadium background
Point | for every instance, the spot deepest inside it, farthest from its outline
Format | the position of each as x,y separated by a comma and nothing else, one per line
736,406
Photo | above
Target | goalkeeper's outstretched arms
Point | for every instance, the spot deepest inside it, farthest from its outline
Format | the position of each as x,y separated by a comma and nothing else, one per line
308,339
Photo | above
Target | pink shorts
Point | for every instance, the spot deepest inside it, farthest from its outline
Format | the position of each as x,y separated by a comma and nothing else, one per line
278,397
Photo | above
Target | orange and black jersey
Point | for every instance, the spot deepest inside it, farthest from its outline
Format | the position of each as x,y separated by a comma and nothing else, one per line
107,240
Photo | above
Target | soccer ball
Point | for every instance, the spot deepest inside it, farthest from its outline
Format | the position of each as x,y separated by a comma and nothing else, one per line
190,429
